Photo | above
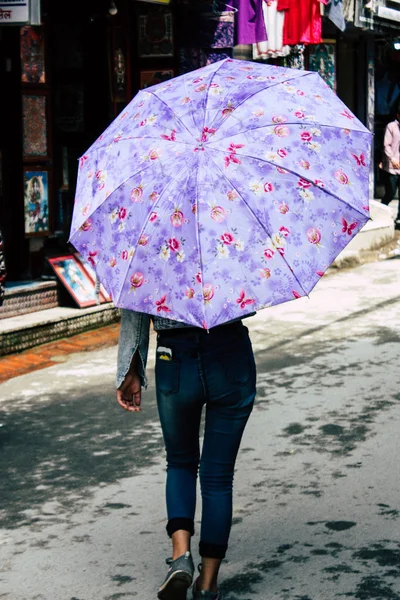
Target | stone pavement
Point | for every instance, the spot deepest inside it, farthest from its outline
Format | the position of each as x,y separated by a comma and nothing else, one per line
49,354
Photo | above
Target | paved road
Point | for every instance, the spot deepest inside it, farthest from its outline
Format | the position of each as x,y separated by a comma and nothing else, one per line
317,506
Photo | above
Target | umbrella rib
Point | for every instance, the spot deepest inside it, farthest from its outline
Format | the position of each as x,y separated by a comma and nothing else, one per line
263,90
143,137
114,190
173,112
208,90
198,236
308,123
269,162
259,222
144,227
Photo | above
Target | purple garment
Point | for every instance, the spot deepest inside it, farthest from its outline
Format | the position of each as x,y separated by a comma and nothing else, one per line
249,22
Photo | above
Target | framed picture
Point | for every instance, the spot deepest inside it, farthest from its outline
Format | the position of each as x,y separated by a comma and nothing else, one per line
35,126
75,279
155,33
149,78
104,295
36,201
32,55
322,58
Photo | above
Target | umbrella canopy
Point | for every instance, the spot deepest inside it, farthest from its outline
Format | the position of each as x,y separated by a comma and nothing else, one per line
221,192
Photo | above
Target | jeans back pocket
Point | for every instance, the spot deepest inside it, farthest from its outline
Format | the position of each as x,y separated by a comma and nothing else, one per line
167,376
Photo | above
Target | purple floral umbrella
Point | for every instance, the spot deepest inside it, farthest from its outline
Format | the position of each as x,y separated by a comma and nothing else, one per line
223,191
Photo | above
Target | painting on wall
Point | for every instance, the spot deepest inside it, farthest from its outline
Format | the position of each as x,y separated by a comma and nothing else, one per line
32,55
75,279
104,296
322,58
155,34
149,78
36,202
34,126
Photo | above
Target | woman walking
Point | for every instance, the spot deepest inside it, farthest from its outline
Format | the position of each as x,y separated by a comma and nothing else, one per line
194,368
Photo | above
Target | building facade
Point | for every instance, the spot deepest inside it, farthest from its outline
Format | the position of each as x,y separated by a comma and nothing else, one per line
68,68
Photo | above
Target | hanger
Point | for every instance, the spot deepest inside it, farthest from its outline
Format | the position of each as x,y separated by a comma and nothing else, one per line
223,6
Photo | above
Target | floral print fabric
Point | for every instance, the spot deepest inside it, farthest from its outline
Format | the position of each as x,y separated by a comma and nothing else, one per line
221,192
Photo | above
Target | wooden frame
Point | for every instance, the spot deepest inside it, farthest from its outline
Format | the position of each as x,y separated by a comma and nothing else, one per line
104,295
37,193
35,126
75,279
155,39
33,55
154,76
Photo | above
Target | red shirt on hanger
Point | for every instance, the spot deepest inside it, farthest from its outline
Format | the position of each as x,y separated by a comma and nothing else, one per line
303,24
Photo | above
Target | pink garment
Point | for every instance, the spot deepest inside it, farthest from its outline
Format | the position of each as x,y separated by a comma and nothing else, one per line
303,23
391,147
273,21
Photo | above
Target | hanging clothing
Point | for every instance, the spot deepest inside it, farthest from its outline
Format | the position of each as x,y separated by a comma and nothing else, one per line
207,37
334,11
249,21
273,22
303,23
348,10
296,60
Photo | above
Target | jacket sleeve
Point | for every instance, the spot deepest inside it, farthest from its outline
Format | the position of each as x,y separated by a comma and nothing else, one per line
387,143
134,336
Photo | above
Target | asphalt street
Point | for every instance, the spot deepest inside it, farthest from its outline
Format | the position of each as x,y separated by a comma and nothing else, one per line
317,487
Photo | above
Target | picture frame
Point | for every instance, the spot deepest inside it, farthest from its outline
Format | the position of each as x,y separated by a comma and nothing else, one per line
149,78
37,210
75,279
32,50
35,126
104,295
155,39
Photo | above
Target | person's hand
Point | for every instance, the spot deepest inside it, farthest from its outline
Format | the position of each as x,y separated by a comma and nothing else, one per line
395,164
129,392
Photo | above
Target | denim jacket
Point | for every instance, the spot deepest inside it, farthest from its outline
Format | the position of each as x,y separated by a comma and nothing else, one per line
134,335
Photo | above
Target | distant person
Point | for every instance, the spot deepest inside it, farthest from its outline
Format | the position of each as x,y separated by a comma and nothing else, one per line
3,272
391,162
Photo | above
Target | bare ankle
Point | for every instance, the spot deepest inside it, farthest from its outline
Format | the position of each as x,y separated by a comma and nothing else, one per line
180,543
210,586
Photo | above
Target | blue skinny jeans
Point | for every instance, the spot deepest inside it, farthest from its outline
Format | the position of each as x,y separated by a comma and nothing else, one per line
216,369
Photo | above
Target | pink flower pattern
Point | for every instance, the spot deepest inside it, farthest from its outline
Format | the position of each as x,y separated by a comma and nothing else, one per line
271,146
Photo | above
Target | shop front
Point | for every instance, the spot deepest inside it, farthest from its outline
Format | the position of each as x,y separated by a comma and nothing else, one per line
69,68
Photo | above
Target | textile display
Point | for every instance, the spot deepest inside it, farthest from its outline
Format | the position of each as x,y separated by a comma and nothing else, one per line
334,11
207,37
208,29
191,59
303,23
348,10
273,22
296,60
249,21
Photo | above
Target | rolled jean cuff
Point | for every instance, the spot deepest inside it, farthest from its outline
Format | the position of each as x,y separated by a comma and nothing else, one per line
212,550
180,523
